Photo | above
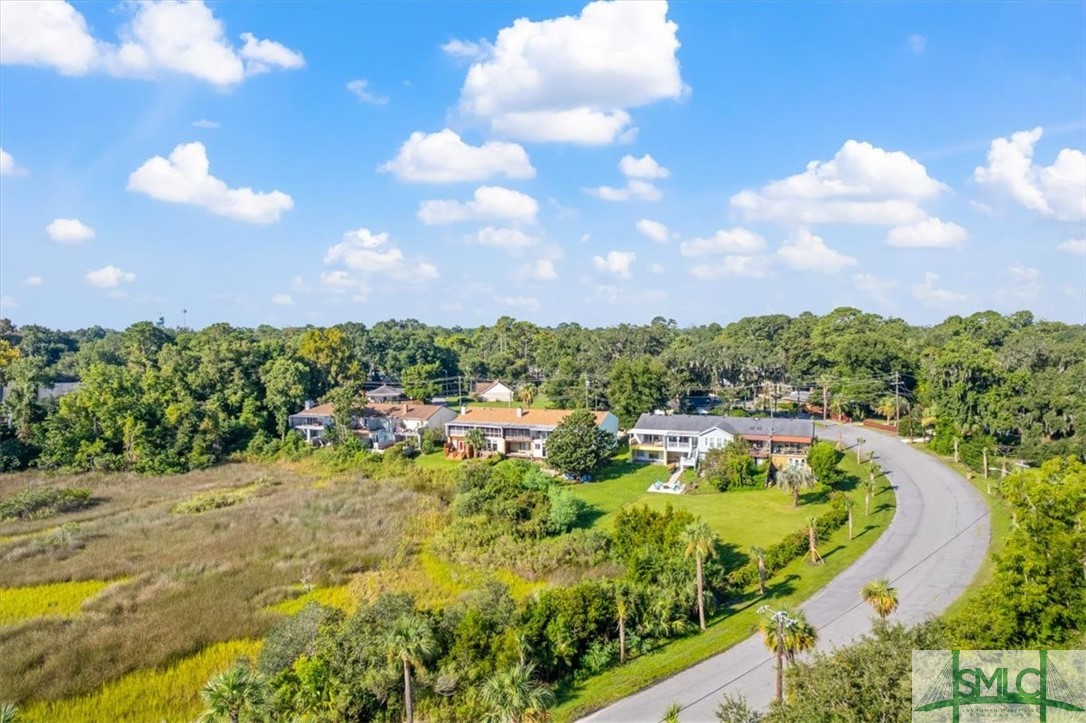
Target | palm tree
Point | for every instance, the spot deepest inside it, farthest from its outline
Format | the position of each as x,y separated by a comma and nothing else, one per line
475,441
849,504
231,693
869,490
812,539
671,713
410,641
700,541
513,695
9,713
526,394
795,478
859,445
880,596
624,604
887,407
798,637
759,553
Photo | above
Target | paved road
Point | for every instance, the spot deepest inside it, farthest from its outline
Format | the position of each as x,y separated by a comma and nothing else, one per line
931,551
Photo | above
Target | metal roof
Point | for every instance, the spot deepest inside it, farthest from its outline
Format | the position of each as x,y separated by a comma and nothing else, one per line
743,426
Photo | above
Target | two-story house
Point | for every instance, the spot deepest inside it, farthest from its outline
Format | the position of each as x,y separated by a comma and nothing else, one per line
313,422
513,432
382,424
684,439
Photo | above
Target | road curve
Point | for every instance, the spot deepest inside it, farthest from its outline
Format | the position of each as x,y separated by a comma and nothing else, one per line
931,551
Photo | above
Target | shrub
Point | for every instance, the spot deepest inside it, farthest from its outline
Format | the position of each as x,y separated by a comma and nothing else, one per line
206,501
40,502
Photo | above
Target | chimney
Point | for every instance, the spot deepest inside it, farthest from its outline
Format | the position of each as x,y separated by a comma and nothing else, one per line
405,407
520,412
463,409
309,404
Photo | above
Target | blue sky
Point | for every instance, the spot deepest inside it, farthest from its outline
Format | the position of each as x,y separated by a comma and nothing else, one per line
290,164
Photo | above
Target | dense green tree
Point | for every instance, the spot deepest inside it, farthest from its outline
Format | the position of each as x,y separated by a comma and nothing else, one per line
238,694
409,641
420,381
513,695
823,459
285,381
577,446
332,357
635,387
729,466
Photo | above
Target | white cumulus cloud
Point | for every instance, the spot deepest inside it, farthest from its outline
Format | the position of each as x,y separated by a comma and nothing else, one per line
725,241
1074,246
282,299
69,231
754,267
615,262
502,238
470,49
929,293
488,202
806,252
929,233
8,166
543,270
875,287
160,37
653,229
185,178
360,89
109,277
33,281
639,173
443,157
368,253
1058,190
573,79
861,184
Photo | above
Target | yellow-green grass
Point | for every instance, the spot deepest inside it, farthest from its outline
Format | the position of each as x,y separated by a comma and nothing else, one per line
171,693
436,460
739,619
338,596
57,600
742,517
999,519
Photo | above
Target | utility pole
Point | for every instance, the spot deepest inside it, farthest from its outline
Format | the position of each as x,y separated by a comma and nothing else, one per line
897,399
825,401
586,390
783,620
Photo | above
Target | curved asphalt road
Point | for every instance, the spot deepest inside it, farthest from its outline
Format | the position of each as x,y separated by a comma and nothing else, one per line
931,551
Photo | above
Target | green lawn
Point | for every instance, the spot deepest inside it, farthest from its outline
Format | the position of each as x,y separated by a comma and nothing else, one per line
436,460
742,518
540,402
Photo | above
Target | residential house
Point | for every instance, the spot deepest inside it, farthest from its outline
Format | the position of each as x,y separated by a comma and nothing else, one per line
513,432
684,439
493,392
45,392
385,394
313,422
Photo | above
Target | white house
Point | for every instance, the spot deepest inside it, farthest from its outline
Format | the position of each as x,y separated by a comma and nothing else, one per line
684,439
382,424
493,392
513,432
313,422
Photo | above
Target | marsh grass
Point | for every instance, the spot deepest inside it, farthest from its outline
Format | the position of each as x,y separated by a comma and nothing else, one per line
55,600
193,580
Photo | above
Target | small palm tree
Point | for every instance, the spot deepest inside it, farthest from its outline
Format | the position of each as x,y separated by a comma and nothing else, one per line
410,641
514,695
795,478
625,601
849,505
812,539
700,541
759,554
798,637
870,487
881,597
671,713
230,694
475,441
859,447
526,394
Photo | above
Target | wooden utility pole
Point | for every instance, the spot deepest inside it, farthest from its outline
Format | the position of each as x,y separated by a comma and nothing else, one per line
984,452
897,399
825,401
955,449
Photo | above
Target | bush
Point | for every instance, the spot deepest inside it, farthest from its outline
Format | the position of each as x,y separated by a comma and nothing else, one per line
205,502
43,502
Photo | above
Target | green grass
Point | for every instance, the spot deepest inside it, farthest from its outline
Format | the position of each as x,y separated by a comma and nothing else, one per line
171,693
55,600
739,619
338,596
541,401
436,460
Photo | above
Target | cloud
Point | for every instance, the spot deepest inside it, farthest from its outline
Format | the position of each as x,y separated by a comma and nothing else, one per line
367,253
8,167
488,202
159,38
361,91
615,262
862,184
731,241
1024,281
527,303
754,267
504,238
930,294
655,268
109,277
543,270
807,252
205,123
653,229
929,233
572,79
340,282
470,49
184,178
916,42
443,157
874,287
8,302
69,231
1074,246
33,281
282,300
639,173
1058,190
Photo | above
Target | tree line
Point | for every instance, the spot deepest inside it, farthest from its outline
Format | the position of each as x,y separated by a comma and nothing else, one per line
155,399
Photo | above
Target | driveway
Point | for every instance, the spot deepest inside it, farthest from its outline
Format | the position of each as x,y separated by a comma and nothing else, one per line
931,551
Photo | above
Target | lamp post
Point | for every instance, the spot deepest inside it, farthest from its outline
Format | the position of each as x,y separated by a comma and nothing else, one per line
782,620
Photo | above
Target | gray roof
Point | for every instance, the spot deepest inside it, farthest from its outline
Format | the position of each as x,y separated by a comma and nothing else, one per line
385,391
753,426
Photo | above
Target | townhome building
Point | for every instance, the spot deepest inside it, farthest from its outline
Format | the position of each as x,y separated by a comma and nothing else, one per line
515,432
